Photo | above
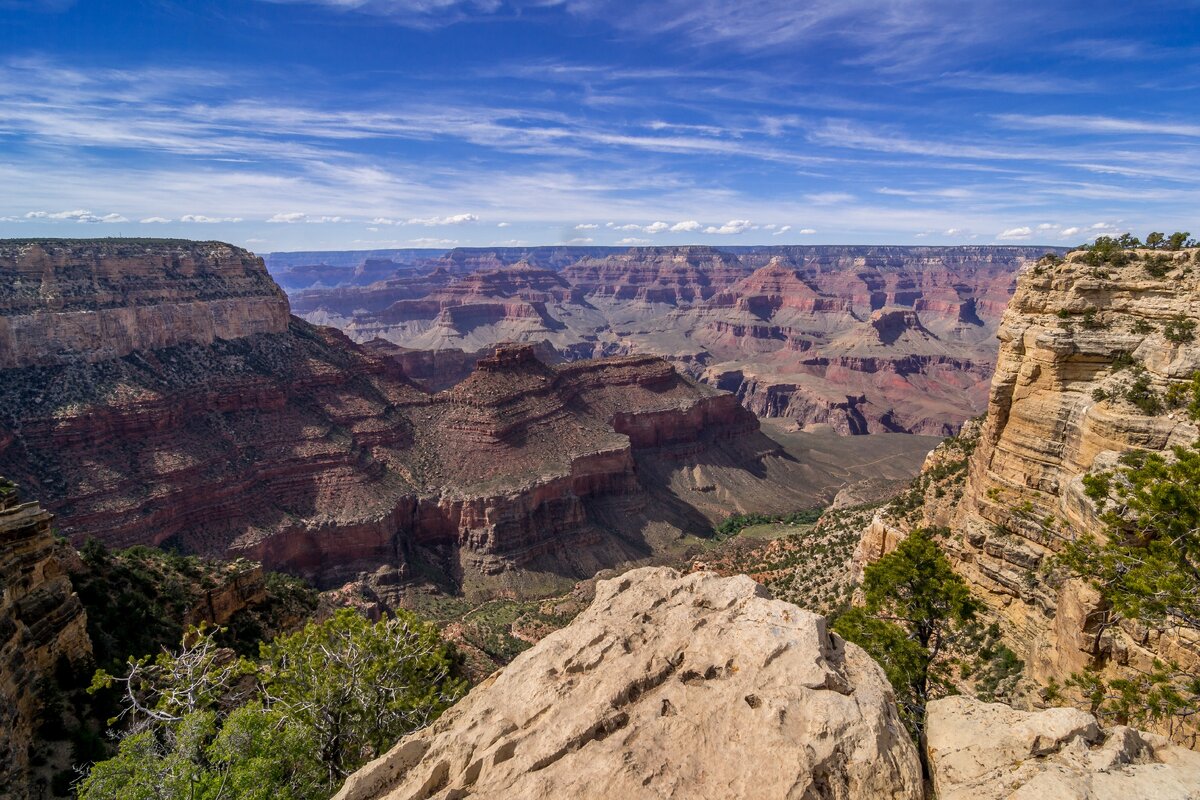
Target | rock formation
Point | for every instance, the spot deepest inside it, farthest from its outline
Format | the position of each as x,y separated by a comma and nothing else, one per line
666,686
988,751
42,626
64,301
299,449
1079,345
863,338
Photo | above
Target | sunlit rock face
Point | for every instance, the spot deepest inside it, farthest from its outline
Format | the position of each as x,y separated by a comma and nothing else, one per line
1072,340
64,301
668,685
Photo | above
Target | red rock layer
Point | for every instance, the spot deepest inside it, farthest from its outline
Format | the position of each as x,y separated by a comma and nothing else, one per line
64,301
312,454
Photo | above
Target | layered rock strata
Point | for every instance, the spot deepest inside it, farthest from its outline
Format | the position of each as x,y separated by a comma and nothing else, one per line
43,628
666,686
1079,345
865,339
65,301
302,450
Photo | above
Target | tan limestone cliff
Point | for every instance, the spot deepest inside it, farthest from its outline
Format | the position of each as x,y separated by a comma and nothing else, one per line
1068,330
1074,341
667,686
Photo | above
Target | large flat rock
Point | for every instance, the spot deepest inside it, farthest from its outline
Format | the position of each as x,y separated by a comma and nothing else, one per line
989,751
676,686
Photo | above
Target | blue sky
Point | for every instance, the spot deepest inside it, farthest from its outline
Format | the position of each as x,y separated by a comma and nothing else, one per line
355,124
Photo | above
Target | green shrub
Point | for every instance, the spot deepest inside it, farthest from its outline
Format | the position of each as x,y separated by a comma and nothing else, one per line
1179,329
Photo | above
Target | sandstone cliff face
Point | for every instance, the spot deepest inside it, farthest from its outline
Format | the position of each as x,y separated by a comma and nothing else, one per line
1066,334
666,686
70,301
1074,341
41,624
988,751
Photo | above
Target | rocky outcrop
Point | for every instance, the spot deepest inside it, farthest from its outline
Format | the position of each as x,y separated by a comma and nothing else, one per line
666,686
982,751
64,301
1074,339
42,627
238,586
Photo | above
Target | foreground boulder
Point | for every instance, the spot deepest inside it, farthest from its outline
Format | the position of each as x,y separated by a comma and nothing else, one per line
689,686
986,751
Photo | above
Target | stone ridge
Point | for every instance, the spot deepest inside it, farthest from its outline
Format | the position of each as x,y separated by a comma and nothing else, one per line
42,623
67,300
666,686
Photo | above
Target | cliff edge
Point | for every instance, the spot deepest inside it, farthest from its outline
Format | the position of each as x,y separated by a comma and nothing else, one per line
66,300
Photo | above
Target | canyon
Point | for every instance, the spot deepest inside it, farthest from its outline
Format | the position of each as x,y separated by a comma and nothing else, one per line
211,422
864,339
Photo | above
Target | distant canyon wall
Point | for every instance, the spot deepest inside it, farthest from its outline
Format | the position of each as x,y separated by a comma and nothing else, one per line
62,301
865,339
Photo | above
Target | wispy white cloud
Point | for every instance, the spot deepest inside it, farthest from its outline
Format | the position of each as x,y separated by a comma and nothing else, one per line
1070,123
289,217
633,241
828,198
1024,232
586,226
154,220
426,241
78,215
453,219
784,229
205,220
687,226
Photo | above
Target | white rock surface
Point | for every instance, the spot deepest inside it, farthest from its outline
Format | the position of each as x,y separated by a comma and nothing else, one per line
989,751
667,686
